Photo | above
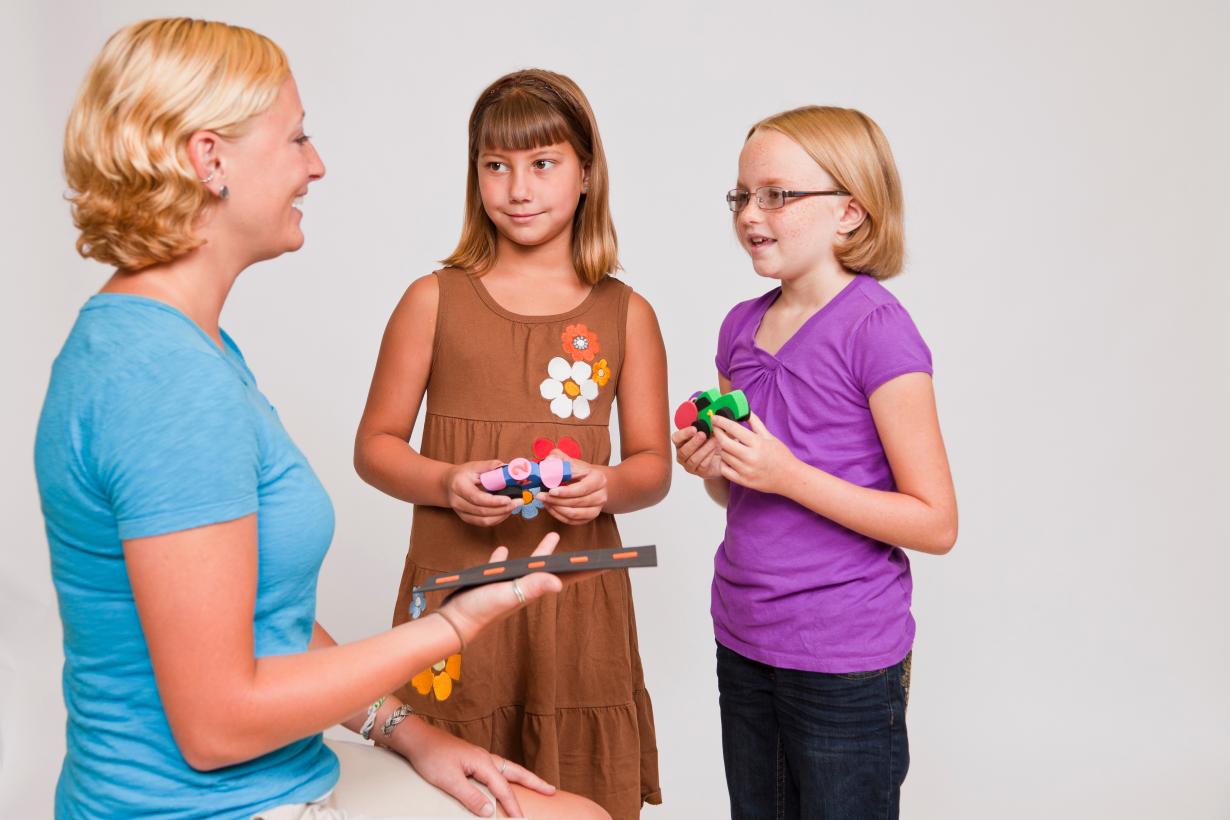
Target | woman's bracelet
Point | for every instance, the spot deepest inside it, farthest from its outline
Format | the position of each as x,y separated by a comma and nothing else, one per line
366,731
449,621
399,714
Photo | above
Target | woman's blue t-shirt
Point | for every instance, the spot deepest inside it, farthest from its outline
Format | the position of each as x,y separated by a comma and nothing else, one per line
151,428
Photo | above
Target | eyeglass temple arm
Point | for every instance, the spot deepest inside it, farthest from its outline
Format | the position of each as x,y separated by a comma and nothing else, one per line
815,193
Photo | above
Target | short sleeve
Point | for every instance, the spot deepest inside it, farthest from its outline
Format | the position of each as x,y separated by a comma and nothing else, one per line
885,345
175,446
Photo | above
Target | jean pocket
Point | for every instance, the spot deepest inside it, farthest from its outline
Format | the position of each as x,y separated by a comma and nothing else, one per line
875,673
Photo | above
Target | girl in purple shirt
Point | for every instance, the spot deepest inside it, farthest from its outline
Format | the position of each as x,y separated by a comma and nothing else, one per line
842,470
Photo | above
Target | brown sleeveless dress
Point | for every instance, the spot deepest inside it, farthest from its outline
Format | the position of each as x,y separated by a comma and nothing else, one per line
558,686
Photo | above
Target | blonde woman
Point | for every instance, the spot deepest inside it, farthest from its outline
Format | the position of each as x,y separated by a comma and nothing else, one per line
186,529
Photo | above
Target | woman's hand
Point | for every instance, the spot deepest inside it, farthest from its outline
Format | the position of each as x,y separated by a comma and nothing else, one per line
753,458
473,504
474,609
697,453
582,498
447,762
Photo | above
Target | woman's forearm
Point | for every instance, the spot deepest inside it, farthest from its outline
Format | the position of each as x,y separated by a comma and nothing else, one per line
399,736
288,697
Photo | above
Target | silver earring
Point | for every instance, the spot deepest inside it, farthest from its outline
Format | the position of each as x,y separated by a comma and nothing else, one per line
225,192
208,179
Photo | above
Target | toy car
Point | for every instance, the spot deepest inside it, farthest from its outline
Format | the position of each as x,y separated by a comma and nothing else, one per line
521,474
698,410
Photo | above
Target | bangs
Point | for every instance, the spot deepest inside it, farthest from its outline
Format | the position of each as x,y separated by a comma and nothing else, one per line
527,111
521,121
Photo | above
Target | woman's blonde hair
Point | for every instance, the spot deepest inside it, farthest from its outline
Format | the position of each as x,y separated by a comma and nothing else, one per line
135,196
530,109
853,150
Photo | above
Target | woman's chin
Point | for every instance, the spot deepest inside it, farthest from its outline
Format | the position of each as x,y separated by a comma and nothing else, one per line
294,241
292,244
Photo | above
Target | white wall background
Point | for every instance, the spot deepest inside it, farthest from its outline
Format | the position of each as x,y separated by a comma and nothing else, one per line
1065,170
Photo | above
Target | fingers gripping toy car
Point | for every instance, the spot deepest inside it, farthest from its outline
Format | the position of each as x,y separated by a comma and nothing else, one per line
698,410
521,474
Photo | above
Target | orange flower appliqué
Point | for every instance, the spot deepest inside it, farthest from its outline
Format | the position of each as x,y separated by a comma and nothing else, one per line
602,372
579,342
438,677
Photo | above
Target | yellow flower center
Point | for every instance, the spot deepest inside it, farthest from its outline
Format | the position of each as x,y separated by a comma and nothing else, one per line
572,388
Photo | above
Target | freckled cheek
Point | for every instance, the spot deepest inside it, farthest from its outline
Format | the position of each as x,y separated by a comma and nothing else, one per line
789,229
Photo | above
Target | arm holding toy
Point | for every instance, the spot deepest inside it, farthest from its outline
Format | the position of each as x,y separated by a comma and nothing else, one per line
195,591
700,455
643,475
382,455
921,514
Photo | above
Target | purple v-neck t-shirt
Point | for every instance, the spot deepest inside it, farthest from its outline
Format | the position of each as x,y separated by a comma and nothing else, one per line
791,588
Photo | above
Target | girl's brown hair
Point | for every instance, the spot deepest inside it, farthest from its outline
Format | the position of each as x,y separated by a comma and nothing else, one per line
530,109
853,150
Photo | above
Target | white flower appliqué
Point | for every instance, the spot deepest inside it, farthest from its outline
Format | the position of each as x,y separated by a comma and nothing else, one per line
570,388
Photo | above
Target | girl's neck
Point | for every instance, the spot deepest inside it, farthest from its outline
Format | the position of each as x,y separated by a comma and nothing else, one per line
549,262
535,281
814,289
196,284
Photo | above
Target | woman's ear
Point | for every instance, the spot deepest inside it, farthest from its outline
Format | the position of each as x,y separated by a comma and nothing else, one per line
203,154
852,217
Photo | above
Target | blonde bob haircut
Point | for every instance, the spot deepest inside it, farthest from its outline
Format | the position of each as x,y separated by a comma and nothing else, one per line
135,196
530,109
852,149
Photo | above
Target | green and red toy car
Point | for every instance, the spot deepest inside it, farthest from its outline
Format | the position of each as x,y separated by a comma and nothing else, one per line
698,410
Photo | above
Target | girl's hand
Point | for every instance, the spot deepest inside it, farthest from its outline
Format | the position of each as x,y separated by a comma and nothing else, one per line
472,610
754,458
699,454
470,501
583,498
447,762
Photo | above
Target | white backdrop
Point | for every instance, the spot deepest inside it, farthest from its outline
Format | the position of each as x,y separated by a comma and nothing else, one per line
1065,175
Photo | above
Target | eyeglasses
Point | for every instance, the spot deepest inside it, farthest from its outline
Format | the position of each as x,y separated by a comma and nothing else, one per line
770,198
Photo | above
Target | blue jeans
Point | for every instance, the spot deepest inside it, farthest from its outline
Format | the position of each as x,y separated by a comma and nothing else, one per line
808,744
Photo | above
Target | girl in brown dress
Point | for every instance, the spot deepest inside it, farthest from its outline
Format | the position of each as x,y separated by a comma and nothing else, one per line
521,345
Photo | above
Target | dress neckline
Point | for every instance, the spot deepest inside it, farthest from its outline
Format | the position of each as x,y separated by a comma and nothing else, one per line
496,307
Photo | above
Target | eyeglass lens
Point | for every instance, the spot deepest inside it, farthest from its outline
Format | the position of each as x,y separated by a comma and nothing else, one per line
768,198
